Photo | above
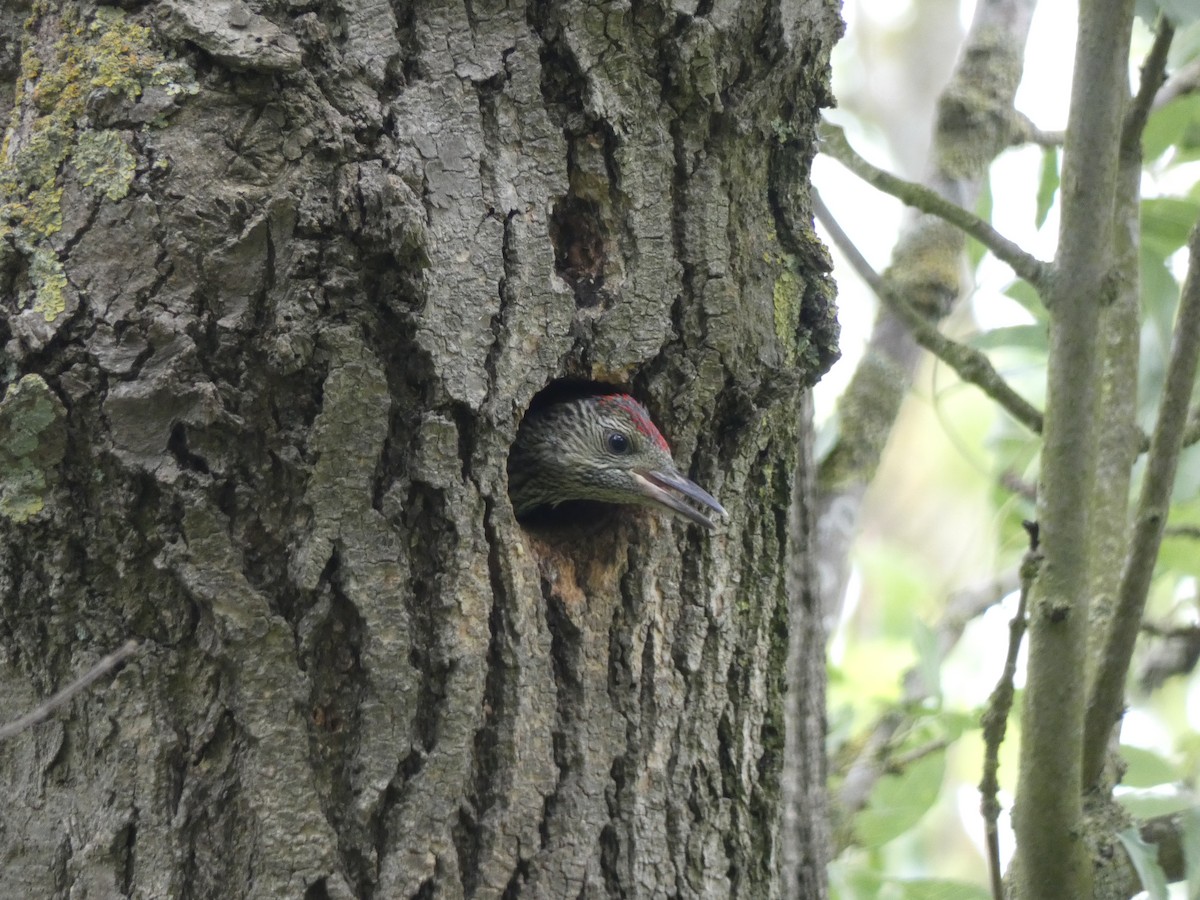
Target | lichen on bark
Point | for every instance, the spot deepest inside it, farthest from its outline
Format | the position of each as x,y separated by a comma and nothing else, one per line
33,437
87,75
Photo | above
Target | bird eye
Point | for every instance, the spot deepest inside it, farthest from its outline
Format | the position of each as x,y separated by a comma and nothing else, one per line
617,442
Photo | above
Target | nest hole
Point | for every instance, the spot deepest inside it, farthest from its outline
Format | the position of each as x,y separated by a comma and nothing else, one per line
581,248
571,519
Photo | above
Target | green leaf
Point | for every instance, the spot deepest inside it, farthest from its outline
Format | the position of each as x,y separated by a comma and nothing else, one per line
1024,294
1047,185
1147,804
1166,223
1145,859
1145,768
899,801
954,723
904,584
1185,47
1176,125
848,881
1178,553
1187,483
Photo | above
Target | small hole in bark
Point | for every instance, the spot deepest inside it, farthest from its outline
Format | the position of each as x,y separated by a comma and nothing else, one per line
177,445
580,248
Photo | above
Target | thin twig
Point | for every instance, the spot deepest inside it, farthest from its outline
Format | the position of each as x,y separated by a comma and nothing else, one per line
868,765
1014,483
971,129
1152,77
1192,532
1108,692
1153,91
1184,81
1027,266
1184,631
897,764
1026,132
995,719
971,365
43,712
872,761
1134,124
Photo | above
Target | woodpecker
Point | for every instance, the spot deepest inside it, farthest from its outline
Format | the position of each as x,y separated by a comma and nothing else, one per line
603,448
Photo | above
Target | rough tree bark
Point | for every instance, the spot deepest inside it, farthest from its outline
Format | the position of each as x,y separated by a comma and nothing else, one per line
278,280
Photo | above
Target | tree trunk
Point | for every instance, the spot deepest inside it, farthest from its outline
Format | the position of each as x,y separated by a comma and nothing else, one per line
278,282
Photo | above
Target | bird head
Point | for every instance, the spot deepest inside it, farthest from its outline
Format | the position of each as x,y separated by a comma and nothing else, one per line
603,448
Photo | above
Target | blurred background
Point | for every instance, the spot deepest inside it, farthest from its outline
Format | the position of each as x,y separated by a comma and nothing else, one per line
943,518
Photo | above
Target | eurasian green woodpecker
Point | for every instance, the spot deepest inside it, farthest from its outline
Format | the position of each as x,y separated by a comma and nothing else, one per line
603,448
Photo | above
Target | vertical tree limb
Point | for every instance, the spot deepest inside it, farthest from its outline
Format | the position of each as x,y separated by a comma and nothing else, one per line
1104,705
1052,859
1120,440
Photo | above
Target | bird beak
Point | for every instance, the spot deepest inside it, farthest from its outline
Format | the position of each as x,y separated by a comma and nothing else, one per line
656,485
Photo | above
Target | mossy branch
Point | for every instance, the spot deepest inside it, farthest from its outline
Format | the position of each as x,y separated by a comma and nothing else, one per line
971,365
1027,266
1027,132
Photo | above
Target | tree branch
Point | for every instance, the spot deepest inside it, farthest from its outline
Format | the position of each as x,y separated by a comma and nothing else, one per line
995,720
1027,266
1153,92
971,365
1184,81
1192,532
43,711
1053,859
1119,439
1027,132
1108,692
1149,86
